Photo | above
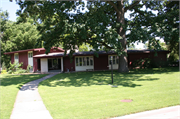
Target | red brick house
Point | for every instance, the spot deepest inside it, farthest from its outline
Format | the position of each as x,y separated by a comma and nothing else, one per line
81,61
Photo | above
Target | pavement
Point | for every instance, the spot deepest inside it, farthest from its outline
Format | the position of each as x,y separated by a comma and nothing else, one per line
28,104
163,113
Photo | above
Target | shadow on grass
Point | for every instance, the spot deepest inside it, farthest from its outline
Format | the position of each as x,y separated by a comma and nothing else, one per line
19,80
104,78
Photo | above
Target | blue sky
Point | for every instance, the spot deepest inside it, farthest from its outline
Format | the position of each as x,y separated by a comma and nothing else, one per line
11,7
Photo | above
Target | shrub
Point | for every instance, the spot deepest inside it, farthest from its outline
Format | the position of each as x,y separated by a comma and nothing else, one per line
15,68
142,63
148,63
157,64
10,72
3,66
19,71
28,68
3,72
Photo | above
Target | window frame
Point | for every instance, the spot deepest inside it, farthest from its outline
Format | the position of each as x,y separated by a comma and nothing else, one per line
115,59
30,54
86,61
16,54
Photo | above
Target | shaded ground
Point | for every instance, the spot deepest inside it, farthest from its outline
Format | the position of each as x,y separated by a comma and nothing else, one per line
78,79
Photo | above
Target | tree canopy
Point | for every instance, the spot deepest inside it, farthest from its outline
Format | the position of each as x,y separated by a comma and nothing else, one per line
16,36
103,24
170,28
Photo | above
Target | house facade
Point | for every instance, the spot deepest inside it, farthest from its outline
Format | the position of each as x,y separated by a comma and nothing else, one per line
80,61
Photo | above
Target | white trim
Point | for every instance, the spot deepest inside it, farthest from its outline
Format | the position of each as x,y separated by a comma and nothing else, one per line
84,68
44,65
30,59
62,64
30,51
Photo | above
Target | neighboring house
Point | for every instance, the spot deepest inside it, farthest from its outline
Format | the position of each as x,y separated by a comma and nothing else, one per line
81,61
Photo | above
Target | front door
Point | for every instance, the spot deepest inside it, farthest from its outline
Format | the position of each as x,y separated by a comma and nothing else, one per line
54,64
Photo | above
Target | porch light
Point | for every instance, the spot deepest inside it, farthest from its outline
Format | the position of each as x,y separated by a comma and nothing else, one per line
111,58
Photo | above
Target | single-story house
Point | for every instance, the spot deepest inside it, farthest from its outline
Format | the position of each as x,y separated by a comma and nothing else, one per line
81,61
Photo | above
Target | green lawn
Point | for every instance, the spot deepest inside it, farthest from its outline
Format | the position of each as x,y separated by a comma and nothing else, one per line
9,87
88,95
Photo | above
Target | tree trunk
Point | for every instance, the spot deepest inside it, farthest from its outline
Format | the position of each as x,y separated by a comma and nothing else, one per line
123,63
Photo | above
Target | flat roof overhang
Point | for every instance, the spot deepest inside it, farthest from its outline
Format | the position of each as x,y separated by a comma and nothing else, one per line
36,49
9,53
90,53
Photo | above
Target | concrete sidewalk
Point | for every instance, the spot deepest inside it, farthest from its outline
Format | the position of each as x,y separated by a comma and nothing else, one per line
164,113
28,104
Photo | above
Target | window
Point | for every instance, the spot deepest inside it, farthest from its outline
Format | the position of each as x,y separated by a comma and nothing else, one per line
76,61
115,59
84,61
16,57
30,55
91,61
30,58
80,61
87,61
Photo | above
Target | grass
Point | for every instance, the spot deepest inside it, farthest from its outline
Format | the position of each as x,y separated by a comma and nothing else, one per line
88,95
9,87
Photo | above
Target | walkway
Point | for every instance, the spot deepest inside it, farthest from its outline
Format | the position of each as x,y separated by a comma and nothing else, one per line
28,104
164,113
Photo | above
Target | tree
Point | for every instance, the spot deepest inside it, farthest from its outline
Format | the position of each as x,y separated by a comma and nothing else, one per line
3,19
131,47
151,46
85,47
103,25
170,28
16,37
3,23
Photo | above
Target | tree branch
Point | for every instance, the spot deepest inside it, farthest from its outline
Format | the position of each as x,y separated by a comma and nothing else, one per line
114,5
131,6
104,44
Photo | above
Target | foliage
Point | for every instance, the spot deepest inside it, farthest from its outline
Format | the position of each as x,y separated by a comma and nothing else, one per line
28,68
19,37
174,56
20,71
101,24
131,46
168,22
4,24
9,88
3,72
16,36
148,63
163,46
87,94
15,68
3,66
142,63
3,20
85,47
